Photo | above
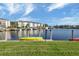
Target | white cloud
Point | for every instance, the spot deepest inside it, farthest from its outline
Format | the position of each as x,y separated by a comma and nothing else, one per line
13,8
25,19
75,12
28,8
56,6
2,12
28,19
1,7
69,21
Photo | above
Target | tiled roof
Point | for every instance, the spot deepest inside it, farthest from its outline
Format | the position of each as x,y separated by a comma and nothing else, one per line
3,19
30,22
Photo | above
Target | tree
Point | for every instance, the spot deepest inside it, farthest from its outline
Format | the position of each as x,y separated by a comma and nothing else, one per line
14,25
45,25
28,26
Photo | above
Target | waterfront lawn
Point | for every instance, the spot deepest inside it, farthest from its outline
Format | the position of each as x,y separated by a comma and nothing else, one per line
51,48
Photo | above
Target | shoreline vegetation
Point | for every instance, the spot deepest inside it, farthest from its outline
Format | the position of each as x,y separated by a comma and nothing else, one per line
39,48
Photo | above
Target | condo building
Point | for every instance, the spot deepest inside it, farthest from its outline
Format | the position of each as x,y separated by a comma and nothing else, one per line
22,24
31,24
4,23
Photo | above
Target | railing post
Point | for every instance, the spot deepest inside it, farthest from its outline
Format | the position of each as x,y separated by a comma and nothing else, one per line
50,34
45,33
72,34
39,32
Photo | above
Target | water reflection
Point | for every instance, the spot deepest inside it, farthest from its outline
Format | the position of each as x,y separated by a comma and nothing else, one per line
29,33
60,34
7,35
2,36
14,35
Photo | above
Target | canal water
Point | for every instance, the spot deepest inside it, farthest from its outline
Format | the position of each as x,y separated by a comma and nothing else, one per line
55,34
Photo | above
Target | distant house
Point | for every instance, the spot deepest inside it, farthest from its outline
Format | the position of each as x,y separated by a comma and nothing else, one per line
4,23
31,24
20,24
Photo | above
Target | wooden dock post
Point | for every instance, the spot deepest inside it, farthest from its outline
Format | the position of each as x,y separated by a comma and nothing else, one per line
50,34
72,34
45,33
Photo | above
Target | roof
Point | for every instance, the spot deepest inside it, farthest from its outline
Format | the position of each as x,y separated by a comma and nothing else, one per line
30,22
3,19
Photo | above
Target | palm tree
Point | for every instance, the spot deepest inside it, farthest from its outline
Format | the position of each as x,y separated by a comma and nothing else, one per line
14,24
28,27
45,26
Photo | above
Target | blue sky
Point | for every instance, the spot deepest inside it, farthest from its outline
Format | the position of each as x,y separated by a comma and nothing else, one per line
49,13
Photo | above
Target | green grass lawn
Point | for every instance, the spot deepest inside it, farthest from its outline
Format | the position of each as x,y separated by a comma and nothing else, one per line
53,48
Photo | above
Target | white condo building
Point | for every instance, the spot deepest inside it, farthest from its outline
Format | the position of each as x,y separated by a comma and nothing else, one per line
4,23
31,24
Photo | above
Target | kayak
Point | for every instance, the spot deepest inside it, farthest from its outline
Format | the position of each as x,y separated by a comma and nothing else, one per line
75,39
32,38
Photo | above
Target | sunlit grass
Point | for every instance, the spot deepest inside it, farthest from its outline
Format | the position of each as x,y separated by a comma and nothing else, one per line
52,48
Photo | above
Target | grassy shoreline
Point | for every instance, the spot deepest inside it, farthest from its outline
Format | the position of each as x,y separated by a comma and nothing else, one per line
48,48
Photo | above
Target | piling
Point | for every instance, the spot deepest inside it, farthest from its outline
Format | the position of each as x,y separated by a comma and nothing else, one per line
50,34
72,34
